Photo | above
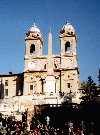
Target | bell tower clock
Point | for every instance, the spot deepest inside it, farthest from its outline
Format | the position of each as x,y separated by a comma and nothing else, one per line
68,40
34,42
68,46
69,68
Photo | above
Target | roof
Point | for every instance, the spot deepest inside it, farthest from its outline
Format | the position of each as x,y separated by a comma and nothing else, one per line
34,28
68,29
10,75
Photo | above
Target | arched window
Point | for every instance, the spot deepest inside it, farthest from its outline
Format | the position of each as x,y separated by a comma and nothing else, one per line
67,47
32,49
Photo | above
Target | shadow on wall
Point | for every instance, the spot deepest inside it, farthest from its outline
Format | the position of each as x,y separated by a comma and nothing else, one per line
1,90
19,85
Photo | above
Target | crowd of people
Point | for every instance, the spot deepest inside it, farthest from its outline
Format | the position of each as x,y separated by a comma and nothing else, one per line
11,126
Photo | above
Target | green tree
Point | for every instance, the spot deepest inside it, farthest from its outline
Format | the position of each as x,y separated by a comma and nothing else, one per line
99,77
89,91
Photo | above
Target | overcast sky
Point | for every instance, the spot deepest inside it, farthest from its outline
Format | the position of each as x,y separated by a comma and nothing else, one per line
17,17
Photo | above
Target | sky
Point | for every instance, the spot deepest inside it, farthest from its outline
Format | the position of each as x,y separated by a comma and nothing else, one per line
18,16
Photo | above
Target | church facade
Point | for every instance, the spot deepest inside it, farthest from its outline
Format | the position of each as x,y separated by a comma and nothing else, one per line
45,76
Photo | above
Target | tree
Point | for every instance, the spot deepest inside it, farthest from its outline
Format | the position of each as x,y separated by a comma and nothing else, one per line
99,77
89,91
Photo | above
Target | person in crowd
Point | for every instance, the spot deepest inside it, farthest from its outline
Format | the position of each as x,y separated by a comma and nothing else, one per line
91,128
78,132
83,128
47,120
70,125
8,131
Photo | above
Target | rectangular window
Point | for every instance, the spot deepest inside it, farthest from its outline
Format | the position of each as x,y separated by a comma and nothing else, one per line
31,87
6,92
68,85
6,82
32,49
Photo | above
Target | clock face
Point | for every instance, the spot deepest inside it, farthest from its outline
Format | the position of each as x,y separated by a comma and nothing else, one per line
31,64
68,63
